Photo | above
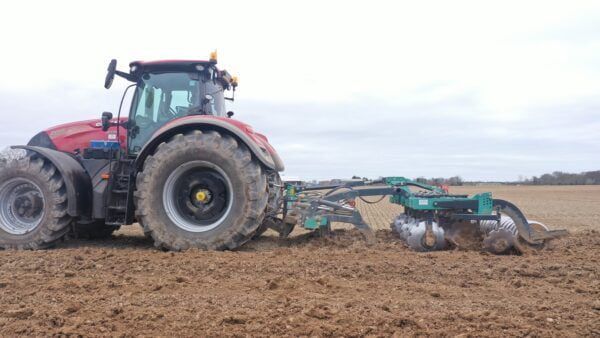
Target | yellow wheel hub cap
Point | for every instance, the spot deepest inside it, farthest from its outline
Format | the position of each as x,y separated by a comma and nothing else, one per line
201,196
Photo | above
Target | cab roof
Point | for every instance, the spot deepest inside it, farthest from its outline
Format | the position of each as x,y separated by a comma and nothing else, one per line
137,68
169,65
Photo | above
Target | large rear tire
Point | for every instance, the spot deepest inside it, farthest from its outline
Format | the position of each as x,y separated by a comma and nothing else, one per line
274,204
33,204
201,190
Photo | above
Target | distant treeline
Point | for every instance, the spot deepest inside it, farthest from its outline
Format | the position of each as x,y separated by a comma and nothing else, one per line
555,178
454,180
561,178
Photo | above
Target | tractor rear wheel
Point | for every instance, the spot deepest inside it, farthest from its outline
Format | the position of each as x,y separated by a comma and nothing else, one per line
274,204
33,204
201,190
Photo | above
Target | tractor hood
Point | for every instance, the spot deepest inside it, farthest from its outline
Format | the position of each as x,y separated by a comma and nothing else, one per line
74,137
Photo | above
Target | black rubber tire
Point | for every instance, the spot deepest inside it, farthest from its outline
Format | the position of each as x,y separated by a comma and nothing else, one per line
55,221
264,226
145,229
248,181
94,230
274,203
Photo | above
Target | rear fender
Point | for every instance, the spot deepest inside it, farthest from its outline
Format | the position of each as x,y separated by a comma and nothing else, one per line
266,155
77,180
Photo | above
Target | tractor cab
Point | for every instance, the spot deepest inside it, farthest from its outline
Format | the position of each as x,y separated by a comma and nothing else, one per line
171,89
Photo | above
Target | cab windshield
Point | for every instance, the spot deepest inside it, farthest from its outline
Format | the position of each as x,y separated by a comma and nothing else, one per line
162,97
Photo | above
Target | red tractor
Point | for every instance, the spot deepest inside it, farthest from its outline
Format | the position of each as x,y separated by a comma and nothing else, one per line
179,165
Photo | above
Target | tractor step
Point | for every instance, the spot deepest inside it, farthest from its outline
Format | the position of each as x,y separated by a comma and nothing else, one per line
118,202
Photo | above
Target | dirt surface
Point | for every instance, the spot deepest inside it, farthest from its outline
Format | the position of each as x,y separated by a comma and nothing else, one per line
315,287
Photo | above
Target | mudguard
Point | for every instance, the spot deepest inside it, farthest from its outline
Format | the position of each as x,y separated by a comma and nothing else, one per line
77,180
257,143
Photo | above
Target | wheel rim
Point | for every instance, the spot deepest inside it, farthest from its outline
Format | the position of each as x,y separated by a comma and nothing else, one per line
21,206
197,196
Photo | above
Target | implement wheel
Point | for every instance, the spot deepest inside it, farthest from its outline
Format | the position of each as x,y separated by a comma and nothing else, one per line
521,224
201,190
528,248
33,204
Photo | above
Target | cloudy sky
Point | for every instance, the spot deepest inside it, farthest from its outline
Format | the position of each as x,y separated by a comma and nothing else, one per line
486,90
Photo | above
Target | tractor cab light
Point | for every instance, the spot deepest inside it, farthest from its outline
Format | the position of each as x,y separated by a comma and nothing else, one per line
213,56
105,176
234,81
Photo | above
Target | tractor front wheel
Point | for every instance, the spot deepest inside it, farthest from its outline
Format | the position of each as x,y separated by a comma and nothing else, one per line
201,190
33,204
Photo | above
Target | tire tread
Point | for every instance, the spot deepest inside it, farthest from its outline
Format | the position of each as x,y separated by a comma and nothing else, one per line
248,168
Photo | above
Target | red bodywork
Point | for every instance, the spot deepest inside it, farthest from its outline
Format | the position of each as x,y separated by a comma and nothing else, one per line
76,136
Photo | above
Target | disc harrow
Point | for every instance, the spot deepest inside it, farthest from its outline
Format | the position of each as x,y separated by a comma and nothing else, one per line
433,219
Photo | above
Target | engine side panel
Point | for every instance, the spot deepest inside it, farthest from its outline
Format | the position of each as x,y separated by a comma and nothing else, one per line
75,137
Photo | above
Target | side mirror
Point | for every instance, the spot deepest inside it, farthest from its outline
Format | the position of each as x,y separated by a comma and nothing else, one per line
106,117
110,73
230,114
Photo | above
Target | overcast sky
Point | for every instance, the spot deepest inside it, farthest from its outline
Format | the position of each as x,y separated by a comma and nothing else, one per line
485,90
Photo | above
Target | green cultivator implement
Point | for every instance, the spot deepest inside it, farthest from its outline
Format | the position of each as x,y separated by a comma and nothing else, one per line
433,219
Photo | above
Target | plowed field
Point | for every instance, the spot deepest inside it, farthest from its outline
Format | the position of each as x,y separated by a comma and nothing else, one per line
308,286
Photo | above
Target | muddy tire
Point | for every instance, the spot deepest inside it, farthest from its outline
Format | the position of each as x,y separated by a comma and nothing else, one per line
274,204
93,230
145,229
201,190
33,204
265,225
